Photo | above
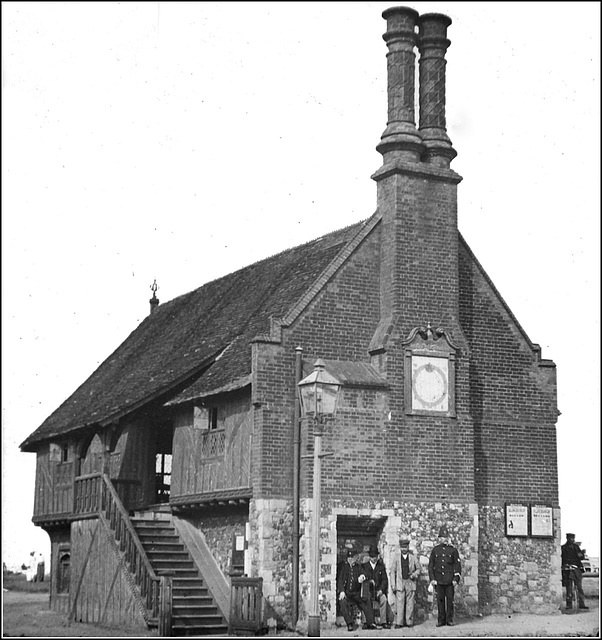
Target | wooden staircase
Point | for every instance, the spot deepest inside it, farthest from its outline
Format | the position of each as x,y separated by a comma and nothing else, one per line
194,610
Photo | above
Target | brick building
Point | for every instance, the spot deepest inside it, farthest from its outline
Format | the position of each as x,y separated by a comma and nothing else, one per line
446,414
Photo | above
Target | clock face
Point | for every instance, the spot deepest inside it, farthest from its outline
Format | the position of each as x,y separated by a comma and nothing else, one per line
430,383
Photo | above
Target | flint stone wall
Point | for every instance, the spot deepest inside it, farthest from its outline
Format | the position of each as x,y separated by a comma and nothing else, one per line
517,574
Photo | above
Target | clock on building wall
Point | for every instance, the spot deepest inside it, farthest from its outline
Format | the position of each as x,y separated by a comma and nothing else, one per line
430,383
430,373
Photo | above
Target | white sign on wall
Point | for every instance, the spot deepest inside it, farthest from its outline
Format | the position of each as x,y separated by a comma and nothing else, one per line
542,524
517,520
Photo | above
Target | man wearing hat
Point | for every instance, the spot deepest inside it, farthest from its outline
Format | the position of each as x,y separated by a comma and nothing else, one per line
404,573
377,585
349,587
571,556
444,570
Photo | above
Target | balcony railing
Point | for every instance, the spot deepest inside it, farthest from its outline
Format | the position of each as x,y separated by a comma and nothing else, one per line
86,494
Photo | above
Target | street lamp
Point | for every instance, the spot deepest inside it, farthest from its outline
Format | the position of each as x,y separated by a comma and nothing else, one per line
319,393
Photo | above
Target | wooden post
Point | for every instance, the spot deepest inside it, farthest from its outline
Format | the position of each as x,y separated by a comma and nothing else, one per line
76,468
165,608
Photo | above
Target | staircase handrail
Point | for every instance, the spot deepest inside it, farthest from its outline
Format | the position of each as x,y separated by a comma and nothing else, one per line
151,585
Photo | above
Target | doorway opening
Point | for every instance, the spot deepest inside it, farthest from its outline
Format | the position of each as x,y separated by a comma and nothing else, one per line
358,533
163,460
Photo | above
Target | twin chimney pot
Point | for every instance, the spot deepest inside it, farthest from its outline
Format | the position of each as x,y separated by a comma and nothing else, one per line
401,140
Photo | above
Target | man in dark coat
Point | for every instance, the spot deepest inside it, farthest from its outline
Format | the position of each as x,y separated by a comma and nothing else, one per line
444,570
571,556
377,584
349,587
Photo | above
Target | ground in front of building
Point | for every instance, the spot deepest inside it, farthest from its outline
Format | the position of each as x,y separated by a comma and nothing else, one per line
28,615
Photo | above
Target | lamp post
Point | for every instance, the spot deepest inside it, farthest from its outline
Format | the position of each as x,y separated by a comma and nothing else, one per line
319,393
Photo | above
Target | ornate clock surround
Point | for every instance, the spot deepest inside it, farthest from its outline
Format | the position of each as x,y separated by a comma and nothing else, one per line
430,373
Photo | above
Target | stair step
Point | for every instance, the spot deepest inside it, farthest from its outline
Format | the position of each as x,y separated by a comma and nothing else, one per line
196,595
164,532
159,541
177,573
152,524
173,563
180,610
190,592
159,532
180,582
194,598
162,545
157,552
196,621
161,554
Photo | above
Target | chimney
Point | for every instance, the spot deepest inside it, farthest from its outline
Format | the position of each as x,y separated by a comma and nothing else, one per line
432,44
401,139
416,189
154,301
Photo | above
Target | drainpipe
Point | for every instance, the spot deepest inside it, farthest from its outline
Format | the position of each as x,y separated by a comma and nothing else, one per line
296,469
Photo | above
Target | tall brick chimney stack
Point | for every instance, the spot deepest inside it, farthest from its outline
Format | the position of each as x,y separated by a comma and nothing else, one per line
432,44
401,139
416,188
417,201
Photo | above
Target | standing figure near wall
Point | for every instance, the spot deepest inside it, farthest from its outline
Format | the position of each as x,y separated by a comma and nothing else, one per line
444,570
572,564
377,585
349,588
404,573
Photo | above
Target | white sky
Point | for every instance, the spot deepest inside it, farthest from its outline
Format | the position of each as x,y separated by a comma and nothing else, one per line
181,141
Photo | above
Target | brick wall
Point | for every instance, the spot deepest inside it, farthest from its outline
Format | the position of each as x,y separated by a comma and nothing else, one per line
500,446
512,399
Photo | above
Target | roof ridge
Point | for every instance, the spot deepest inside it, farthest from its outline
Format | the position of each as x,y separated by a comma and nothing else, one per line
270,257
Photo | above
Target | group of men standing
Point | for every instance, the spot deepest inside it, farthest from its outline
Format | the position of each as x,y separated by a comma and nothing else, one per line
367,586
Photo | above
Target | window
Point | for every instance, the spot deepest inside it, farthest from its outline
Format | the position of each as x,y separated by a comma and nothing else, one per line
214,439
207,418
65,453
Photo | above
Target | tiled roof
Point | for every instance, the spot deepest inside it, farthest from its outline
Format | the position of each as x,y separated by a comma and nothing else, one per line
207,330
358,374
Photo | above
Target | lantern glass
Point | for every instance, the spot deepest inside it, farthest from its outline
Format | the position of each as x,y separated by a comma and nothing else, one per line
327,399
308,398
319,392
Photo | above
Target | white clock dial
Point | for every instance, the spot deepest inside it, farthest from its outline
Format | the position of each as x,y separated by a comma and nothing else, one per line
429,383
